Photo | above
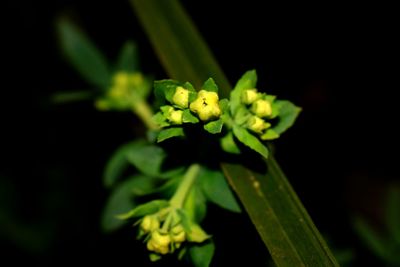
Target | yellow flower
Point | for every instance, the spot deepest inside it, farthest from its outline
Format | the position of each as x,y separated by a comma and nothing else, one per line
181,97
249,96
206,105
262,108
150,223
257,124
175,116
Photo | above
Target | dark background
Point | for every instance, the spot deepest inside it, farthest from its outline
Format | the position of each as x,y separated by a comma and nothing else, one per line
337,61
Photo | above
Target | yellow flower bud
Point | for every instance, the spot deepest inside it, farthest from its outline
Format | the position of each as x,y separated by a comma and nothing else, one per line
150,245
249,96
177,229
181,97
175,116
118,91
136,79
179,238
150,223
121,79
257,124
160,239
206,105
262,108
163,250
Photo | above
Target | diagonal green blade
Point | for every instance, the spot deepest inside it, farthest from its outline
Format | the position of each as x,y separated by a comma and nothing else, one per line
280,218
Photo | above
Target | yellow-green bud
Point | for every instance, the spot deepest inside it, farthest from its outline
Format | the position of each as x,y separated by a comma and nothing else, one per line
118,91
257,124
180,237
249,96
121,79
181,97
136,79
160,239
262,108
175,116
206,105
150,223
177,229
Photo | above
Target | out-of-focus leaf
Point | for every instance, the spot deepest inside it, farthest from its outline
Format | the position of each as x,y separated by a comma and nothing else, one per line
128,58
84,55
202,255
217,190
122,200
393,214
68,97
147,159
195,205
169,133
144,209
118,162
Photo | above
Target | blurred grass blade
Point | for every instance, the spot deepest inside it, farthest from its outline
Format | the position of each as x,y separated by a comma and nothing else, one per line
274,208
184,59
83,55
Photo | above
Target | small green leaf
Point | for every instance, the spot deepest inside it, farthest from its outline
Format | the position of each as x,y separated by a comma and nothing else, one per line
147,159
188,117
121,200
165,90
250,140
247,81
202,255
217,190
392,213
370,238
214,127
169,133
210,85
229,145
154,257
288,113
270,134
118,162
160,120
195,205
224,105
144,209
128,58
197,234
84,55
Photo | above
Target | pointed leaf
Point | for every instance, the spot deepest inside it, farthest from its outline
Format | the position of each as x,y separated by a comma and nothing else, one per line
188,117
217,190
84,55
247,81
144,209
169,133
202,255
139,157
214,127
250,140
210,85
128,58
288,113
228,144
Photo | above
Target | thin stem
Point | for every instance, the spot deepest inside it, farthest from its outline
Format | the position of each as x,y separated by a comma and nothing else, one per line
183,190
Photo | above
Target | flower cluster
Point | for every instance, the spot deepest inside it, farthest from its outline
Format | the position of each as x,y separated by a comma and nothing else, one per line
164,232
262,109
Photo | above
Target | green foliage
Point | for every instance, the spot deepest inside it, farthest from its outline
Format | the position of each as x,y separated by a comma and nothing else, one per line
84,55
128,58
144,209
169,133
140,158
250,140
201,256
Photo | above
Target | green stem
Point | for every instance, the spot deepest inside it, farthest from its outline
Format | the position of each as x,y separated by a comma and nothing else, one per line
183,190
145,113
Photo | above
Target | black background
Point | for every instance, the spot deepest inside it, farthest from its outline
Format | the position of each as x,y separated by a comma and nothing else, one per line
337,61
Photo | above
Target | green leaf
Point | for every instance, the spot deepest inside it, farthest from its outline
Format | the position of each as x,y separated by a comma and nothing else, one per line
288,113
165,90
84,55
197,234
214,127
144,209
188,117
217,190
210,85
169,133
128,58
118,162
195,205
374,242
250,140
228,144
202,255
68,97
392,213
247,81
160,120
274,208
121,200
270,134
147,159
